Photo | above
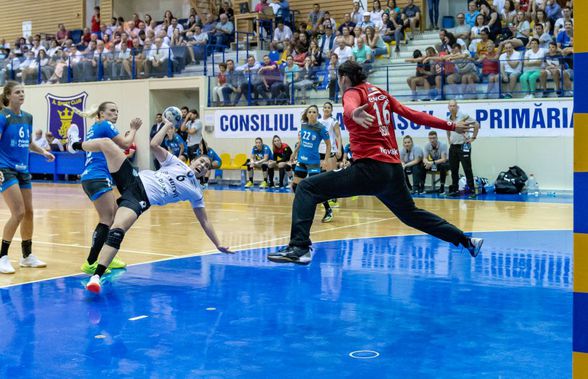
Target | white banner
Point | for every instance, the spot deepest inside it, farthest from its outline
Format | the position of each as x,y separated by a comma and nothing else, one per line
497,119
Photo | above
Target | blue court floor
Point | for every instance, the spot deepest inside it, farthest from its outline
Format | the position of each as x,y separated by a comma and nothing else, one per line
421,308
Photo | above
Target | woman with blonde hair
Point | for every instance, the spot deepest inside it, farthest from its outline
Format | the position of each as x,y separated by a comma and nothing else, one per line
96,179
16,143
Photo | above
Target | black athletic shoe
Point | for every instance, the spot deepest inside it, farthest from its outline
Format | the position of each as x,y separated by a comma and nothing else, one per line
291,254
328,217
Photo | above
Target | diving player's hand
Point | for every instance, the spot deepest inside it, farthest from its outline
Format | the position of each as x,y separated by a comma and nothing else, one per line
361,117
136,123
464,126
225,250
50,157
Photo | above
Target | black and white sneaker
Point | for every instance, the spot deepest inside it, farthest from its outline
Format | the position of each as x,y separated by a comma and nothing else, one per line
73,136
475,246
292,254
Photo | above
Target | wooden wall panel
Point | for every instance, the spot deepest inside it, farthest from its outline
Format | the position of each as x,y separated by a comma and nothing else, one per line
44,14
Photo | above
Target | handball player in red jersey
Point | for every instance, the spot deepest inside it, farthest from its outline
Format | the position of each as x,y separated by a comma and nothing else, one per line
376,170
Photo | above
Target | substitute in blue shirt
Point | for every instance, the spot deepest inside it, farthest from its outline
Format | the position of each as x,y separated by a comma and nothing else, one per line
16,142
260,156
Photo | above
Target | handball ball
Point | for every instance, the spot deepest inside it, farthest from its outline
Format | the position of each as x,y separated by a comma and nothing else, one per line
173,115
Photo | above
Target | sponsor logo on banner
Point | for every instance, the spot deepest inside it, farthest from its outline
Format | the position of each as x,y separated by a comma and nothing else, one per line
497,119
60,117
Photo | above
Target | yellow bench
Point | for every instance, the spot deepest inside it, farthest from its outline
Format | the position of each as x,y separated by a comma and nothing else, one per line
233,164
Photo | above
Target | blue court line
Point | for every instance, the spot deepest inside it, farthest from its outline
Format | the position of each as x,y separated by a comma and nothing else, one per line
428,309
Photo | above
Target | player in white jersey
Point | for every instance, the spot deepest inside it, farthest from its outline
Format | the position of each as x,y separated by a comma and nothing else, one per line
174,181
329,161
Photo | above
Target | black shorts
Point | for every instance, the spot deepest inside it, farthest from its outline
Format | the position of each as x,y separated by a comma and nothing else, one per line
323,156
303,170
94,188
12,177
133,195
190,152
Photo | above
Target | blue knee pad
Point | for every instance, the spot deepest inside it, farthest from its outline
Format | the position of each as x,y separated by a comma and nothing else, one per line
115,238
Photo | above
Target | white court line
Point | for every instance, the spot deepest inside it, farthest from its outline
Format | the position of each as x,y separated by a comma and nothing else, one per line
138,318
236,248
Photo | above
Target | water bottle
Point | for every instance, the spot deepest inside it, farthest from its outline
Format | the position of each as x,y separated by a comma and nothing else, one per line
533,186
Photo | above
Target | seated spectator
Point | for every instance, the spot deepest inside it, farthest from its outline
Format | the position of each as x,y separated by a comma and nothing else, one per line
197,41
276,7
366,22
281,34
375,42
509,13
356,13
543,37
271,81
435,158
411,157
333,77
392,29
175,144
561,22
362,53
28,69
221,82
157,59
532,67
424,75
565,36
130,151
260,156
314,17
299,55
328,22
291,74
348,38
135,61
282,154
86,37
377,13
553,11
510,69
209,26
114,67
41,141
306,77
521,31
224,31
412,14
490,68
343,51
483,42
226,9
465,74
541,19
473,12
492,17
552,68
54,143
475,32
347,23
62,34
47,66
233,82
250,80
326,44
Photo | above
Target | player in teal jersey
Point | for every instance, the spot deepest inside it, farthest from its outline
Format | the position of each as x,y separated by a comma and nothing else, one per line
16,143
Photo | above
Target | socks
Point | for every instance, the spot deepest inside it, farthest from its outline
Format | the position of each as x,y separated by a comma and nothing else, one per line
100,270
77,146
282,172
4,249
98,239
327,206
26,248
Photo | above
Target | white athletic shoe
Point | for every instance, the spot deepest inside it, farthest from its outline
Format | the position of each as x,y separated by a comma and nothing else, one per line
32,261
5,266
94,284
475,246
73,136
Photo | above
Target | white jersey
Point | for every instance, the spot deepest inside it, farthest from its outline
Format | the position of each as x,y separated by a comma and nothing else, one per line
173,182
329,123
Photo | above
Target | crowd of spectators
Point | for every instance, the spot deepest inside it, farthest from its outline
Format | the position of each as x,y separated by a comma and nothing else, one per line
500,44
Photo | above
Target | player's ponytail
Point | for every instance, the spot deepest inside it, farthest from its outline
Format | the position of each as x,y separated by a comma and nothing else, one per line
204,148
92,112
6,92
354,71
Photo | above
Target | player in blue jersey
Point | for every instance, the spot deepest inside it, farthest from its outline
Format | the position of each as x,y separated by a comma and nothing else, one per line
260,157
16,132
307,153
204,149
174,143
97,181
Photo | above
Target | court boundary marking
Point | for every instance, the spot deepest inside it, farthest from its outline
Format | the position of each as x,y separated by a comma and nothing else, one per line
240,248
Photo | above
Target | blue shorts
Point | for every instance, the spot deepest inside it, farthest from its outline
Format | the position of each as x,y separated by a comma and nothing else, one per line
12,177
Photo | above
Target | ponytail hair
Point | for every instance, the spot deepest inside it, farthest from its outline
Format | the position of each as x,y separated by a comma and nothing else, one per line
354,71
92,112
6,92
204,148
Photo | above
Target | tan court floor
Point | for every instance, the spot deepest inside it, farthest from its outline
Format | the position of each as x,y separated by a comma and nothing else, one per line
65,220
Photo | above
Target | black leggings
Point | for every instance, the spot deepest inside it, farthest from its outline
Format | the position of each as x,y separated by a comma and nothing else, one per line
366,177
